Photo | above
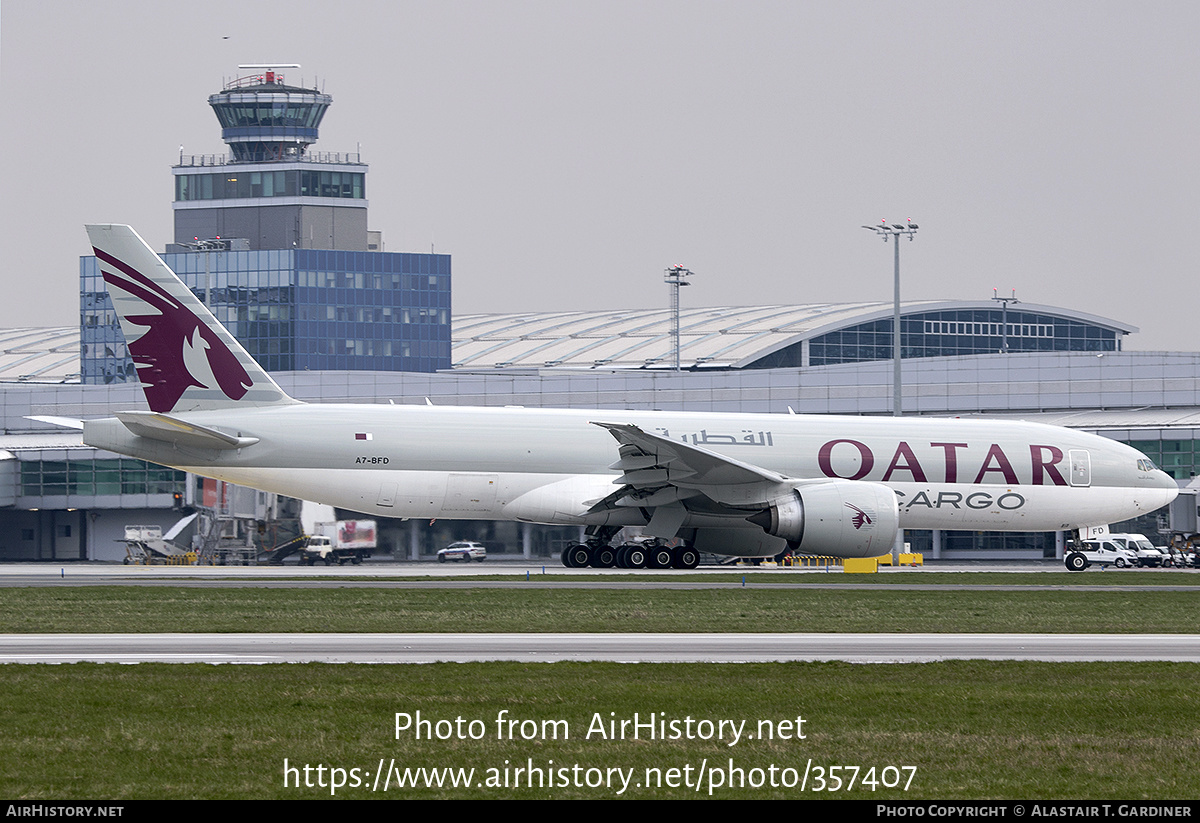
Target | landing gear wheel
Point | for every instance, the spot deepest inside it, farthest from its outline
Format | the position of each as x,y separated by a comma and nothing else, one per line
636,557
685,557
623,556
1076,562
580,556
604,557
659,557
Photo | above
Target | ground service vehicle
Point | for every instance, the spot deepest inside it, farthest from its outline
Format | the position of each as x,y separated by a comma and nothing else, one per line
1146,552
1100,551
340,542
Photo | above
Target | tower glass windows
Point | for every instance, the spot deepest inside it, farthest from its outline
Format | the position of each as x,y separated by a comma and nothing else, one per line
240,184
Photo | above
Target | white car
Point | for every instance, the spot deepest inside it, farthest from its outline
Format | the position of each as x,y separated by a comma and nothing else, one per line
467,550
1100,551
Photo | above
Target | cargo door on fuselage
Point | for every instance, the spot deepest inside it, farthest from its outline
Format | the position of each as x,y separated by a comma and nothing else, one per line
1081,467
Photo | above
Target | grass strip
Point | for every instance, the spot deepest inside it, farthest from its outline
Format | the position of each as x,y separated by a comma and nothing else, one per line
972,729
205,609
752,576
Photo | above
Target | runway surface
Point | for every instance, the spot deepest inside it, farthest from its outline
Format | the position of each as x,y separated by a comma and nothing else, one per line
622,648
514,573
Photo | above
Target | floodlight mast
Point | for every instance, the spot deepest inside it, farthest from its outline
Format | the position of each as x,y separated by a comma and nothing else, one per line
1004,317
676,277
895,231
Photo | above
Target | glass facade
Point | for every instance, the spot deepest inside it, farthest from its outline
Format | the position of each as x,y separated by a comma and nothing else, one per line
91,476
956,333
270,109
241,184
296,310
948,334
997,543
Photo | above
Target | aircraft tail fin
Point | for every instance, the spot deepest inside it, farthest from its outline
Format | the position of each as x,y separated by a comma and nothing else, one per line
185,359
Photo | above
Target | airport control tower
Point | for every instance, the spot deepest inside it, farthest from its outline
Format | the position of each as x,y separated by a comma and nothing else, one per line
273,237
271,189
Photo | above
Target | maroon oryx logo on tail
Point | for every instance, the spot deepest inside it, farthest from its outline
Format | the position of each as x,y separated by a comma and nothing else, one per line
178,350
861,518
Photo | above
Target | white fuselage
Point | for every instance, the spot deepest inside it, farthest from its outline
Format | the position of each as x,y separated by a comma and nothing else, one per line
551,466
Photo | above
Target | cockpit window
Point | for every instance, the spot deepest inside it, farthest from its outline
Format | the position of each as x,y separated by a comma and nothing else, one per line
1145,464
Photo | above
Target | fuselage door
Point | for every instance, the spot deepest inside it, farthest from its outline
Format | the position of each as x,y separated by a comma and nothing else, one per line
1081,467
470,493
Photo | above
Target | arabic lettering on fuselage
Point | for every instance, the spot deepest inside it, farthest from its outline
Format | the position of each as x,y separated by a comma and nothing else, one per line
706,438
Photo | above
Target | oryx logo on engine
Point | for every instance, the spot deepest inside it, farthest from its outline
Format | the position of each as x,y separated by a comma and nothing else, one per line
861,518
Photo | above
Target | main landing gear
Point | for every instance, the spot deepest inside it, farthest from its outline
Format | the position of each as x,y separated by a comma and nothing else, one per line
630,556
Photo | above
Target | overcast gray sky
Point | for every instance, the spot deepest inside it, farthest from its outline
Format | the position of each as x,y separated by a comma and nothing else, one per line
565,153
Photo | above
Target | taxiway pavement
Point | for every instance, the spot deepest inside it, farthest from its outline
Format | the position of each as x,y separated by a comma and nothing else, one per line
620,648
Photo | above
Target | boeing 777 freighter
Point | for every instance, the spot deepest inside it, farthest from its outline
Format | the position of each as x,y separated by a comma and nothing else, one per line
746,485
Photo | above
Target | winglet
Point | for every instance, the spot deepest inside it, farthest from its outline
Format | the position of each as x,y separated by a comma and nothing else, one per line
185,359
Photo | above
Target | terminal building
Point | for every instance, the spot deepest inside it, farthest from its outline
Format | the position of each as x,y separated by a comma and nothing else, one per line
273,236
773,337
62,500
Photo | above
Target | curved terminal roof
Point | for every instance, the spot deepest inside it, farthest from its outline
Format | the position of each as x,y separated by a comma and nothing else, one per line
40,355
723,338
731,337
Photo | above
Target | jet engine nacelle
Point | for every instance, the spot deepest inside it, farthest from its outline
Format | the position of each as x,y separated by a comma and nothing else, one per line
842,518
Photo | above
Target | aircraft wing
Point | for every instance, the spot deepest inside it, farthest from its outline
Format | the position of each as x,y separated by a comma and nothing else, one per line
693,466
659,474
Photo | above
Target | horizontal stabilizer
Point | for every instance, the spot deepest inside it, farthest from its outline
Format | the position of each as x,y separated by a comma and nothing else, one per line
65,422
156,426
